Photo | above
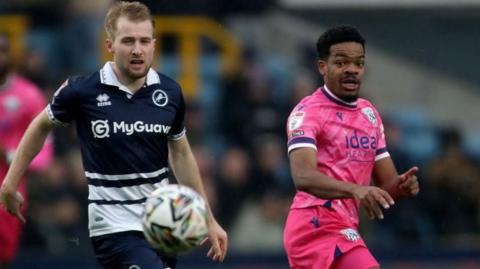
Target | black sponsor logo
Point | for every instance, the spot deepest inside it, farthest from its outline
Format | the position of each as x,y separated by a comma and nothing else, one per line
297,133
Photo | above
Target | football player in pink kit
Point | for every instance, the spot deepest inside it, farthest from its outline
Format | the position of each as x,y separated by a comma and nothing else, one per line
336,147
20,102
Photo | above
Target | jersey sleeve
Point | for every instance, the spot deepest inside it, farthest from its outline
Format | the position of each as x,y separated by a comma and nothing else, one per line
382,144
178,127
303,127
61,109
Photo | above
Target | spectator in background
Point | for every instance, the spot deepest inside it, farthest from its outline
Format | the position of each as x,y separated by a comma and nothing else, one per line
233,181
20,102
82,20
270,166
206,166
303,85
34,67
409,223
194,114
234,98
393,137
259,226
59,194
453,182
248,106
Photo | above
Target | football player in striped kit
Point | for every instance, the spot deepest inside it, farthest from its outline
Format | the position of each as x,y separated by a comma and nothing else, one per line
130,125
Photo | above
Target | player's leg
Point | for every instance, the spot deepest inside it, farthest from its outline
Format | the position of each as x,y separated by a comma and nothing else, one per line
128,250
358,257
306,240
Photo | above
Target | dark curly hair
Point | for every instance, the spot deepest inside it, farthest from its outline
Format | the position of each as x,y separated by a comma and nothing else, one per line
335,35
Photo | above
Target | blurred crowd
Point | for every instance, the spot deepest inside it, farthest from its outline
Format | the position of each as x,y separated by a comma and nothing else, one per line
239,141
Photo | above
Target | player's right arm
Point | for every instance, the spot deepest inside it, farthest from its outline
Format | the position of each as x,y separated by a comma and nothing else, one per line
29,147
307,178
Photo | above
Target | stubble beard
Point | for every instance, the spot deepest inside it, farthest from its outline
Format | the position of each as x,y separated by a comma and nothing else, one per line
131,75
137,75
350,98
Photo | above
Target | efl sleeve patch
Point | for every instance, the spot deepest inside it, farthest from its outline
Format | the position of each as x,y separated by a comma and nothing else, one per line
295,120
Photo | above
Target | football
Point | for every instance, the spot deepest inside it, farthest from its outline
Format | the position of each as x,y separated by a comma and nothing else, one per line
175,219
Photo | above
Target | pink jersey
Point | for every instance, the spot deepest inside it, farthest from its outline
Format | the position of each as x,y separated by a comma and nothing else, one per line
20,102
348,138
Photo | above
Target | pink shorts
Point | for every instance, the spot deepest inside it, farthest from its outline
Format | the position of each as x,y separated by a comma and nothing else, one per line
317,238
10,230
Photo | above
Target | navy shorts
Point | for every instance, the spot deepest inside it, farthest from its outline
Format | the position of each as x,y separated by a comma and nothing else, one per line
128,250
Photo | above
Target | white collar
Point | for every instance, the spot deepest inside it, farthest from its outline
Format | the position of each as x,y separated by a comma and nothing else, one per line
108,77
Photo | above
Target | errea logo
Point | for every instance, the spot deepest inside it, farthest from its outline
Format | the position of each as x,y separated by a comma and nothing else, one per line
103,100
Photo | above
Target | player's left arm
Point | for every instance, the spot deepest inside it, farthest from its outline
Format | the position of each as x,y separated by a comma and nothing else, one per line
386,177
187,173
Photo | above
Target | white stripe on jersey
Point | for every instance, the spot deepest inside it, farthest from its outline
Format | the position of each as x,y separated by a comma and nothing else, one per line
107,219
123,193
126,176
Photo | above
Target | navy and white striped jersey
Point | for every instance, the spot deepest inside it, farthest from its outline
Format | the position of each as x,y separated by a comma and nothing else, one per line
123,139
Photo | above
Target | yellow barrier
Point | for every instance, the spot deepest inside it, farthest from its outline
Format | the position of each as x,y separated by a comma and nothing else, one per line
15,26
189,31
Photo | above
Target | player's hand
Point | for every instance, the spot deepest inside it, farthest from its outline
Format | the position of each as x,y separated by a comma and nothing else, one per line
12,201
408,182
218,238
374,200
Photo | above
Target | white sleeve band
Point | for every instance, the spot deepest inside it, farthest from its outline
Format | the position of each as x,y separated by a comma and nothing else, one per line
302,145
52,118
381,156
178,136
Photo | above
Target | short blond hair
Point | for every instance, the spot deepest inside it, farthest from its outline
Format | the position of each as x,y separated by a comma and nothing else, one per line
134,11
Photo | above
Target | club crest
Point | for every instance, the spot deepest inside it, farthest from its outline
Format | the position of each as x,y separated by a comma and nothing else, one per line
350,234
160,98
368,112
